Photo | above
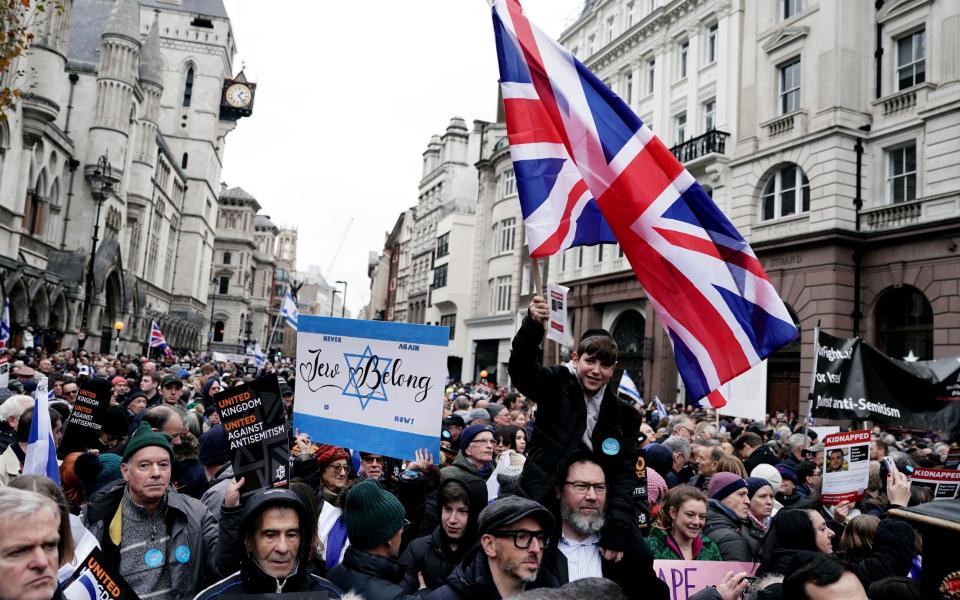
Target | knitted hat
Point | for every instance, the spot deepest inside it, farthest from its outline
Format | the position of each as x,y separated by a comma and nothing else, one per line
659,458
96,471
787,472
754,484
145,436
372,516
116,422
494,409
327,454
471,432
117,380
723,484
213,447
478,413
656,486
768,472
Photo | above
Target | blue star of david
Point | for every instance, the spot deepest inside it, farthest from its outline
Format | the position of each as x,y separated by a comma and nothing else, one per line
355,366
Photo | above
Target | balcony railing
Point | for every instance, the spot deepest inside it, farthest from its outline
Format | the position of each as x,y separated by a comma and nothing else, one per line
893,215
711,142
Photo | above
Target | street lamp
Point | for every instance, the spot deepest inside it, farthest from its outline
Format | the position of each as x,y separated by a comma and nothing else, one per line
333,299
343,303
213,301
118,327
101,188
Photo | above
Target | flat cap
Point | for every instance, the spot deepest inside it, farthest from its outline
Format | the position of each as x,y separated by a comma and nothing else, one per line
509,510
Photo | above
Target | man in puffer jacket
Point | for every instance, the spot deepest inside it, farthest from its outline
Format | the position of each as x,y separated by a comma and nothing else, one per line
276,530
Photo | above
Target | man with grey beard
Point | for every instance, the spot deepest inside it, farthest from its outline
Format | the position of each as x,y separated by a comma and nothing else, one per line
573,553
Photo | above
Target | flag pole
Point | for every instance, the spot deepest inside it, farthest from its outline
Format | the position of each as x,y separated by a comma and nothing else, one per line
535,275
274,330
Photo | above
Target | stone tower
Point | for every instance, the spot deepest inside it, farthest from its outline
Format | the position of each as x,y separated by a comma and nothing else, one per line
116,79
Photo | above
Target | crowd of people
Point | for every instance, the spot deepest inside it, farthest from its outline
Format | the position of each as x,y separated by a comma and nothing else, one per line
554,488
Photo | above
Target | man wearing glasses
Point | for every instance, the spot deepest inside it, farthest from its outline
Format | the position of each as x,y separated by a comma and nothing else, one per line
574,553
514,533
576,409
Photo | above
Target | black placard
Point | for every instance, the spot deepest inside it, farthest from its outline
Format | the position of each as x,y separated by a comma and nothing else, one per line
254,419
82,429
96,579
855,381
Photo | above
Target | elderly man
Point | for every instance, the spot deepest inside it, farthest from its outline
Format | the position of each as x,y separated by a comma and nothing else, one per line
165,543
573,553
514,533
10,412
28,547
275,529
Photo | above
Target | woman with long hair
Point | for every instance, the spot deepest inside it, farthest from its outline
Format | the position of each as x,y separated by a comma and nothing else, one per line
858,538
680,535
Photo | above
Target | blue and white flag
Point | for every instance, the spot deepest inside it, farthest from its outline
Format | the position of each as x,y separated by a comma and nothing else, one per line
5,324
288,310
661,409
629,389
41,456
258,358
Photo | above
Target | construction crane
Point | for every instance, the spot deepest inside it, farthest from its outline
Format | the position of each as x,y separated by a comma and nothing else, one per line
336,253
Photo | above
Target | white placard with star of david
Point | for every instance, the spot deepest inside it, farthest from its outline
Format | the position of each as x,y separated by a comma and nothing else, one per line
375,386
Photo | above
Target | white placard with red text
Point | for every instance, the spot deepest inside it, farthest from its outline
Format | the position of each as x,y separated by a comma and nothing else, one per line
944,483
846,466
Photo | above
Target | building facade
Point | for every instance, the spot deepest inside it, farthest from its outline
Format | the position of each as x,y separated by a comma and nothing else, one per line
137,86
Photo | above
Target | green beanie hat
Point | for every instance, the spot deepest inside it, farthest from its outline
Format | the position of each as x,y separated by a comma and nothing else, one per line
145,436
372,515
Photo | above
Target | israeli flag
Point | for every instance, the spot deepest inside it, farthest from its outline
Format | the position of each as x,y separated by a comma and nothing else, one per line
661,409
5,324
629,389
41,456
258,358
289,311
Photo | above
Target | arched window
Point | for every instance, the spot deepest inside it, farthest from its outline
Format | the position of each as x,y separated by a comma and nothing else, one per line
218,331
904,323
183,160
188,87
786,192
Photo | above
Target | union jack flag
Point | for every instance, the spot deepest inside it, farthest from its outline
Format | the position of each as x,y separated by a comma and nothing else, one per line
156,337
589,172
5,324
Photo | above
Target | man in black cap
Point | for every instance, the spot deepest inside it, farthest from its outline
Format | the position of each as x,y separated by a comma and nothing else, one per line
213,455
576,409
455,425
170,389
276,531
514,532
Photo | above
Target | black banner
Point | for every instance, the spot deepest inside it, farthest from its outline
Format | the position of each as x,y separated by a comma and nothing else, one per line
254,419
82,429
855,381
96,579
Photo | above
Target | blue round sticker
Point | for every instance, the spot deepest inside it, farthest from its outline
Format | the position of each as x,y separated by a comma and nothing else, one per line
610,446
183,554
153,558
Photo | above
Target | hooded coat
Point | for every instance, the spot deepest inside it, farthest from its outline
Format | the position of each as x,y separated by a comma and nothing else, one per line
237,524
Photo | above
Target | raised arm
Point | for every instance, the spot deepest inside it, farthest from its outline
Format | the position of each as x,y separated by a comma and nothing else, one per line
526,373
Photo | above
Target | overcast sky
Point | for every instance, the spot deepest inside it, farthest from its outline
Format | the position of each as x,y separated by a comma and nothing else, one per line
348,95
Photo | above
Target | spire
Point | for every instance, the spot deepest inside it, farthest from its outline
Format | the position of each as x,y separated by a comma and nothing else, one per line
124,20
151,60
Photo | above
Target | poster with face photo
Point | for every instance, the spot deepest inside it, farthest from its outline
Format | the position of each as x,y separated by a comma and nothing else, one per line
846,466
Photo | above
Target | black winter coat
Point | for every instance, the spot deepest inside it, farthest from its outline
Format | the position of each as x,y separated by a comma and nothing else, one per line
730,534
558,433
371,576
471,580
431,557
634,573
761,456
